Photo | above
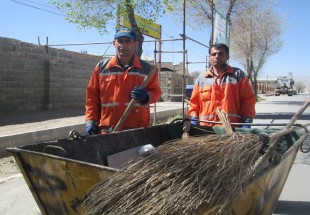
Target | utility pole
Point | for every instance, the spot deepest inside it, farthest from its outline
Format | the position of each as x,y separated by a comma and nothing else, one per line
212,25
267,84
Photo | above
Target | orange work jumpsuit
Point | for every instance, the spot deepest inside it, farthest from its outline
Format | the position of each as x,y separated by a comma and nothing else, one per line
109,93
230,92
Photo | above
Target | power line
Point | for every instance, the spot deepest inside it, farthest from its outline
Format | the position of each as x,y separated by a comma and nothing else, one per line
38,8
80,44
40,4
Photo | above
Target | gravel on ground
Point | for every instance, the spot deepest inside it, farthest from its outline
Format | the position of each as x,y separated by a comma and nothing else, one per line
8,167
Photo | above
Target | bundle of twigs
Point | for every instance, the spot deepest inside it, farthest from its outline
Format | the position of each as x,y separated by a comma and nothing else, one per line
180,177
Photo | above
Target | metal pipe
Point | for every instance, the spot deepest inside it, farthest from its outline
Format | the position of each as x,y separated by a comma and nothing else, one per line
197,42
169,51
196,62
159,68
165,40
184,38
78,44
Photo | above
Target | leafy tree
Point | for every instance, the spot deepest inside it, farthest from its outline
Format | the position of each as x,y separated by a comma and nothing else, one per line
104,14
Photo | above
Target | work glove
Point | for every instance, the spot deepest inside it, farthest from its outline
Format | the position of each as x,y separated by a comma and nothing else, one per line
140,94
264,138
90,130
194,120
247,120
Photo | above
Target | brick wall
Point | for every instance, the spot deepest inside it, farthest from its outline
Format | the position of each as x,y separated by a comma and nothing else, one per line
36,78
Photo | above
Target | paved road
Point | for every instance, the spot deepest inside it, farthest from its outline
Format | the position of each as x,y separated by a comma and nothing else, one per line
16,198
294,200
295,196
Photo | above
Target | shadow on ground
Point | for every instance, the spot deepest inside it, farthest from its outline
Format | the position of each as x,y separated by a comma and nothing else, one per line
304,158
38,116
298,103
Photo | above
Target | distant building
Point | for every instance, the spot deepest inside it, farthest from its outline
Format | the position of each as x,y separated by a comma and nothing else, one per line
265,85
177,68
171,81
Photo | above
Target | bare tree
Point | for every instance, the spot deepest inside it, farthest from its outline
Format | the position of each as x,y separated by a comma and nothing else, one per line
300,86
199,12
255,29
102,14
255,36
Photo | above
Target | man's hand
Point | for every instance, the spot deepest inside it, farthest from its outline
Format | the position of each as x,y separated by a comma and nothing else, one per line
264,138
140,94
90,130
247,120
194,120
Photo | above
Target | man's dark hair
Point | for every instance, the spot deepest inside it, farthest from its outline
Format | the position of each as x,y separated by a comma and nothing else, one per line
219,45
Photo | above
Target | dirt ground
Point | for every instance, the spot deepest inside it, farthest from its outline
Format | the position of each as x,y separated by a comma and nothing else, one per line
8,167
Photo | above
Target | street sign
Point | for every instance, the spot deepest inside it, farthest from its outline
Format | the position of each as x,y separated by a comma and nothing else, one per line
220,28
147,27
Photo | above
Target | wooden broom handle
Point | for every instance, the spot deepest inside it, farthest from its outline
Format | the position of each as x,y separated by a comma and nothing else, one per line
294,118
297,114
275,136
133,101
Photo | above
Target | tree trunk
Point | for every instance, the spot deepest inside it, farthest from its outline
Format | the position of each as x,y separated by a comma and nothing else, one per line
139,35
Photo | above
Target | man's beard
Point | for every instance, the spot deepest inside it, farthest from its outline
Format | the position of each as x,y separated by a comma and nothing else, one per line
124,53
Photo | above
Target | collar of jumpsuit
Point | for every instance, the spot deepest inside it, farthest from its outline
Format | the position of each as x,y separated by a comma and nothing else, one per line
217,77
125,67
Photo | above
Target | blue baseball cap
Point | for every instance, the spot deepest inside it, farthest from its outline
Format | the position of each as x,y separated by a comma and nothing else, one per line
125,32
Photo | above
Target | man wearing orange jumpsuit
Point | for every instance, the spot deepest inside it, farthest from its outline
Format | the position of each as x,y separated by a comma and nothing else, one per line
114,83
223,87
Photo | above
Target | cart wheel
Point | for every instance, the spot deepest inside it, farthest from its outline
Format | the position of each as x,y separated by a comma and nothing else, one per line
305,146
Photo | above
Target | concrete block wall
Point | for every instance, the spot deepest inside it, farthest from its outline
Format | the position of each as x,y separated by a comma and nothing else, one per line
171,85
36,78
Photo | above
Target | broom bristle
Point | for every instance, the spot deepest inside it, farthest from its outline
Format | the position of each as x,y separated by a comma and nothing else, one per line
179,177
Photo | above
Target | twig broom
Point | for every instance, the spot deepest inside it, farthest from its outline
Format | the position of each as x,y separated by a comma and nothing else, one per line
179,177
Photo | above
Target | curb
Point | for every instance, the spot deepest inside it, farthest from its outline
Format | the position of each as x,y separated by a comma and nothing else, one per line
18,175
45,135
